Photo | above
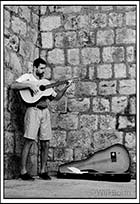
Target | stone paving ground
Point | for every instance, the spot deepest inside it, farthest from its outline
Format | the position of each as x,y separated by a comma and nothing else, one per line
58,188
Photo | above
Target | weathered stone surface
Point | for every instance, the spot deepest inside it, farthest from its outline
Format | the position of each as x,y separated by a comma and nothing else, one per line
90,55
130,54
47,40
7,18
113,54
98,20
58,139
126,122
49,23
86,38
127,87
56,56
65,121
105,37
62,72
24,12
74,22
12,42
100,105
120,70
105,138
73,56
89,121
59,106
130,140
132,103
125,36
104,71
131,18
132,70
78,105
119,104
107,122
86,89
18,26
79,138
116,19
107,87
9,142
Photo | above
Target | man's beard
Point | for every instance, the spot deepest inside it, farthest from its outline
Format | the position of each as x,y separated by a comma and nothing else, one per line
40,75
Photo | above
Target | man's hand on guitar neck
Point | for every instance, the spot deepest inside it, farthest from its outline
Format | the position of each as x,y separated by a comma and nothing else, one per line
69,82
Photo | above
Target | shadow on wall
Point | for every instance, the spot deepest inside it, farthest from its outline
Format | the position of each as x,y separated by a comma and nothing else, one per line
14,129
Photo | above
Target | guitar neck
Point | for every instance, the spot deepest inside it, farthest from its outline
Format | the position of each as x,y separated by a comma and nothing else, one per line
55,84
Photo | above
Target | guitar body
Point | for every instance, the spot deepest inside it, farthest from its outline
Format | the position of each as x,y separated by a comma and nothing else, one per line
29,98
114,159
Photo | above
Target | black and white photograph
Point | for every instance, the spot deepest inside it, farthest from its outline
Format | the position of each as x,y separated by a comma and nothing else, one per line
69,102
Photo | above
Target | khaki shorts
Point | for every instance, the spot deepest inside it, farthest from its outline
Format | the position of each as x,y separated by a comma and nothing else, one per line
37,124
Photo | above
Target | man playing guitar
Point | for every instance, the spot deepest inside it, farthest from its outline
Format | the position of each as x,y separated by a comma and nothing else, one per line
37,116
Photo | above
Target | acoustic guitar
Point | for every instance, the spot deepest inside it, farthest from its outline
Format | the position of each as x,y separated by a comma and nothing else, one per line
114,159
44,89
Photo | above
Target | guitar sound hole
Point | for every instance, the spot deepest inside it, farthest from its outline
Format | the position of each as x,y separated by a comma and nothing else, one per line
42,88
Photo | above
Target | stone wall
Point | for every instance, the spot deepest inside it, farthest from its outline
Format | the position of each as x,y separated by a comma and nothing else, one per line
97,44
21,47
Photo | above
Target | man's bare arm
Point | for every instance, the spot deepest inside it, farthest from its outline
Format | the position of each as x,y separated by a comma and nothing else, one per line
23,85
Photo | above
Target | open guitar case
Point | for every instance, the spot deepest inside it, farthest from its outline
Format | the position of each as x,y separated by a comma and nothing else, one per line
92,174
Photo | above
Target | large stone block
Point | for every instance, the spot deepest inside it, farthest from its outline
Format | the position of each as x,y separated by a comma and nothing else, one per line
24,12
86,89
98,20
47,40
90,55
120,70
107,87
78,105
125,35
105,138
48,23
73,56
67,121
113,54
18,26
126,123
80,138
105,37
119,104
58,139
89,121
86,38
104,71
56,56
74,22
100,105
115,19
127,87
131,18
107,122
61,72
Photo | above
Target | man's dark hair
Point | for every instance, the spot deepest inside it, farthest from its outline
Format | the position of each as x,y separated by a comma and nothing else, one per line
38,61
